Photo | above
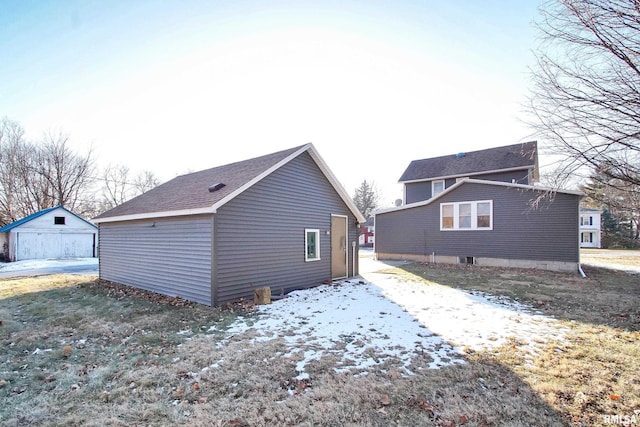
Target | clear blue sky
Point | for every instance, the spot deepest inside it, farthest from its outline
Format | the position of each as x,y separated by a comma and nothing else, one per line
178,86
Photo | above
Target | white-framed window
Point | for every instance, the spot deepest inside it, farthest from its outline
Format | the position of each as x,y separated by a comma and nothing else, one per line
311,244
437,187
473,215
586,238
586,220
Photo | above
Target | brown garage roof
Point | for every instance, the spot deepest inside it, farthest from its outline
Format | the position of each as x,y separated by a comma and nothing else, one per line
191,191
205,191
462,164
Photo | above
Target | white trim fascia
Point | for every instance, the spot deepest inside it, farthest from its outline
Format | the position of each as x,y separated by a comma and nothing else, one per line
476,181
258,178
423,202
150,215
525,187
214,208
321,164
435,178
336,184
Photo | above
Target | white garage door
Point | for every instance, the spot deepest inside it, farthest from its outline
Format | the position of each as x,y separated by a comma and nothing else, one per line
53,245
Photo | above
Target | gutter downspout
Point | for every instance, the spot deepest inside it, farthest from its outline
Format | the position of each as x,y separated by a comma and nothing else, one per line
353,260
584,276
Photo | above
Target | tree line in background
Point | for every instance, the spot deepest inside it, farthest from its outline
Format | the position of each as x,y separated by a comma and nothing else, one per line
585,106
36,175
620,205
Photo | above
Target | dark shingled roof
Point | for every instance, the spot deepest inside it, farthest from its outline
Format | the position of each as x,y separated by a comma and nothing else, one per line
493,159
191,191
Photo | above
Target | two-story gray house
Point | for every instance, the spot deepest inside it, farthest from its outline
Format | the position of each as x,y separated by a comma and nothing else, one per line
483,208
426,178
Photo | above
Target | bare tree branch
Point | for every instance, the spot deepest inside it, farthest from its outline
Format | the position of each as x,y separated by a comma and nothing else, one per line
585,100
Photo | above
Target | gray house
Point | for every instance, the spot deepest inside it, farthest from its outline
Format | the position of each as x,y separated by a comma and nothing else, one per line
281,220
426,178
476,220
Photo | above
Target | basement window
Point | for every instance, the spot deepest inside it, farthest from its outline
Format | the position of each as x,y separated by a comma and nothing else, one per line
312,244
467,260
59,220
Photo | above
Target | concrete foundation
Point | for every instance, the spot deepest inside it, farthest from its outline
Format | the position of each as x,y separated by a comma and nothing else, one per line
569,267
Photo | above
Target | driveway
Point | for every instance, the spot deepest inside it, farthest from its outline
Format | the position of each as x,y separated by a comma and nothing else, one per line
28,268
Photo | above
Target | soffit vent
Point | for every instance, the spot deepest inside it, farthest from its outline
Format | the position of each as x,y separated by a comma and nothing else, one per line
216,187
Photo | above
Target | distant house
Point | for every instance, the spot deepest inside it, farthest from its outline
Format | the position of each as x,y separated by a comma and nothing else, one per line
367,233
590,235
50,233
281,221
476,208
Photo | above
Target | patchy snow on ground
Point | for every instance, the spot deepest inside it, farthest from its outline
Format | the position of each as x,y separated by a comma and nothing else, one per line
33,264
363,324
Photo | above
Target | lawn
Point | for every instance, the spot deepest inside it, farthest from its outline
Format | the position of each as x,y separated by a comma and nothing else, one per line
621,257
78,351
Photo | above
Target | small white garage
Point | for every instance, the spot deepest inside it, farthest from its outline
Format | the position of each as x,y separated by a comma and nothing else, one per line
51,233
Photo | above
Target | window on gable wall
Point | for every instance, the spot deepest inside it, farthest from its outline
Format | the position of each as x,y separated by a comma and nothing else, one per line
59,220
312,244
437,187
475,215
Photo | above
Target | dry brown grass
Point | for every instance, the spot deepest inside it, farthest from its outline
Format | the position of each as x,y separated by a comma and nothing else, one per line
135,359
594,371
629,258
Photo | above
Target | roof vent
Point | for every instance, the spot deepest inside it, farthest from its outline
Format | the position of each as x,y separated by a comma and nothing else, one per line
460,155
216,187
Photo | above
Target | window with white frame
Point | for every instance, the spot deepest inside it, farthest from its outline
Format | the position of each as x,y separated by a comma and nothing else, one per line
586,238
474,215
586,220
437,187
312,244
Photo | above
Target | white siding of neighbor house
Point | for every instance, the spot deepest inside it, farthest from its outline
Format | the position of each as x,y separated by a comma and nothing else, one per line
171,256
590,233
41,238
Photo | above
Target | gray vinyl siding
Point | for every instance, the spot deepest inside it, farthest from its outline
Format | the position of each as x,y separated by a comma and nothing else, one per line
548,233
421,191
417,191
168,256
259,235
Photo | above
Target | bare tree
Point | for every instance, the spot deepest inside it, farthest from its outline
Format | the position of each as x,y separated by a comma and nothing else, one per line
119,186
11,145
117,190
38,176
366,198
67,174
145,181
621,199
585,100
